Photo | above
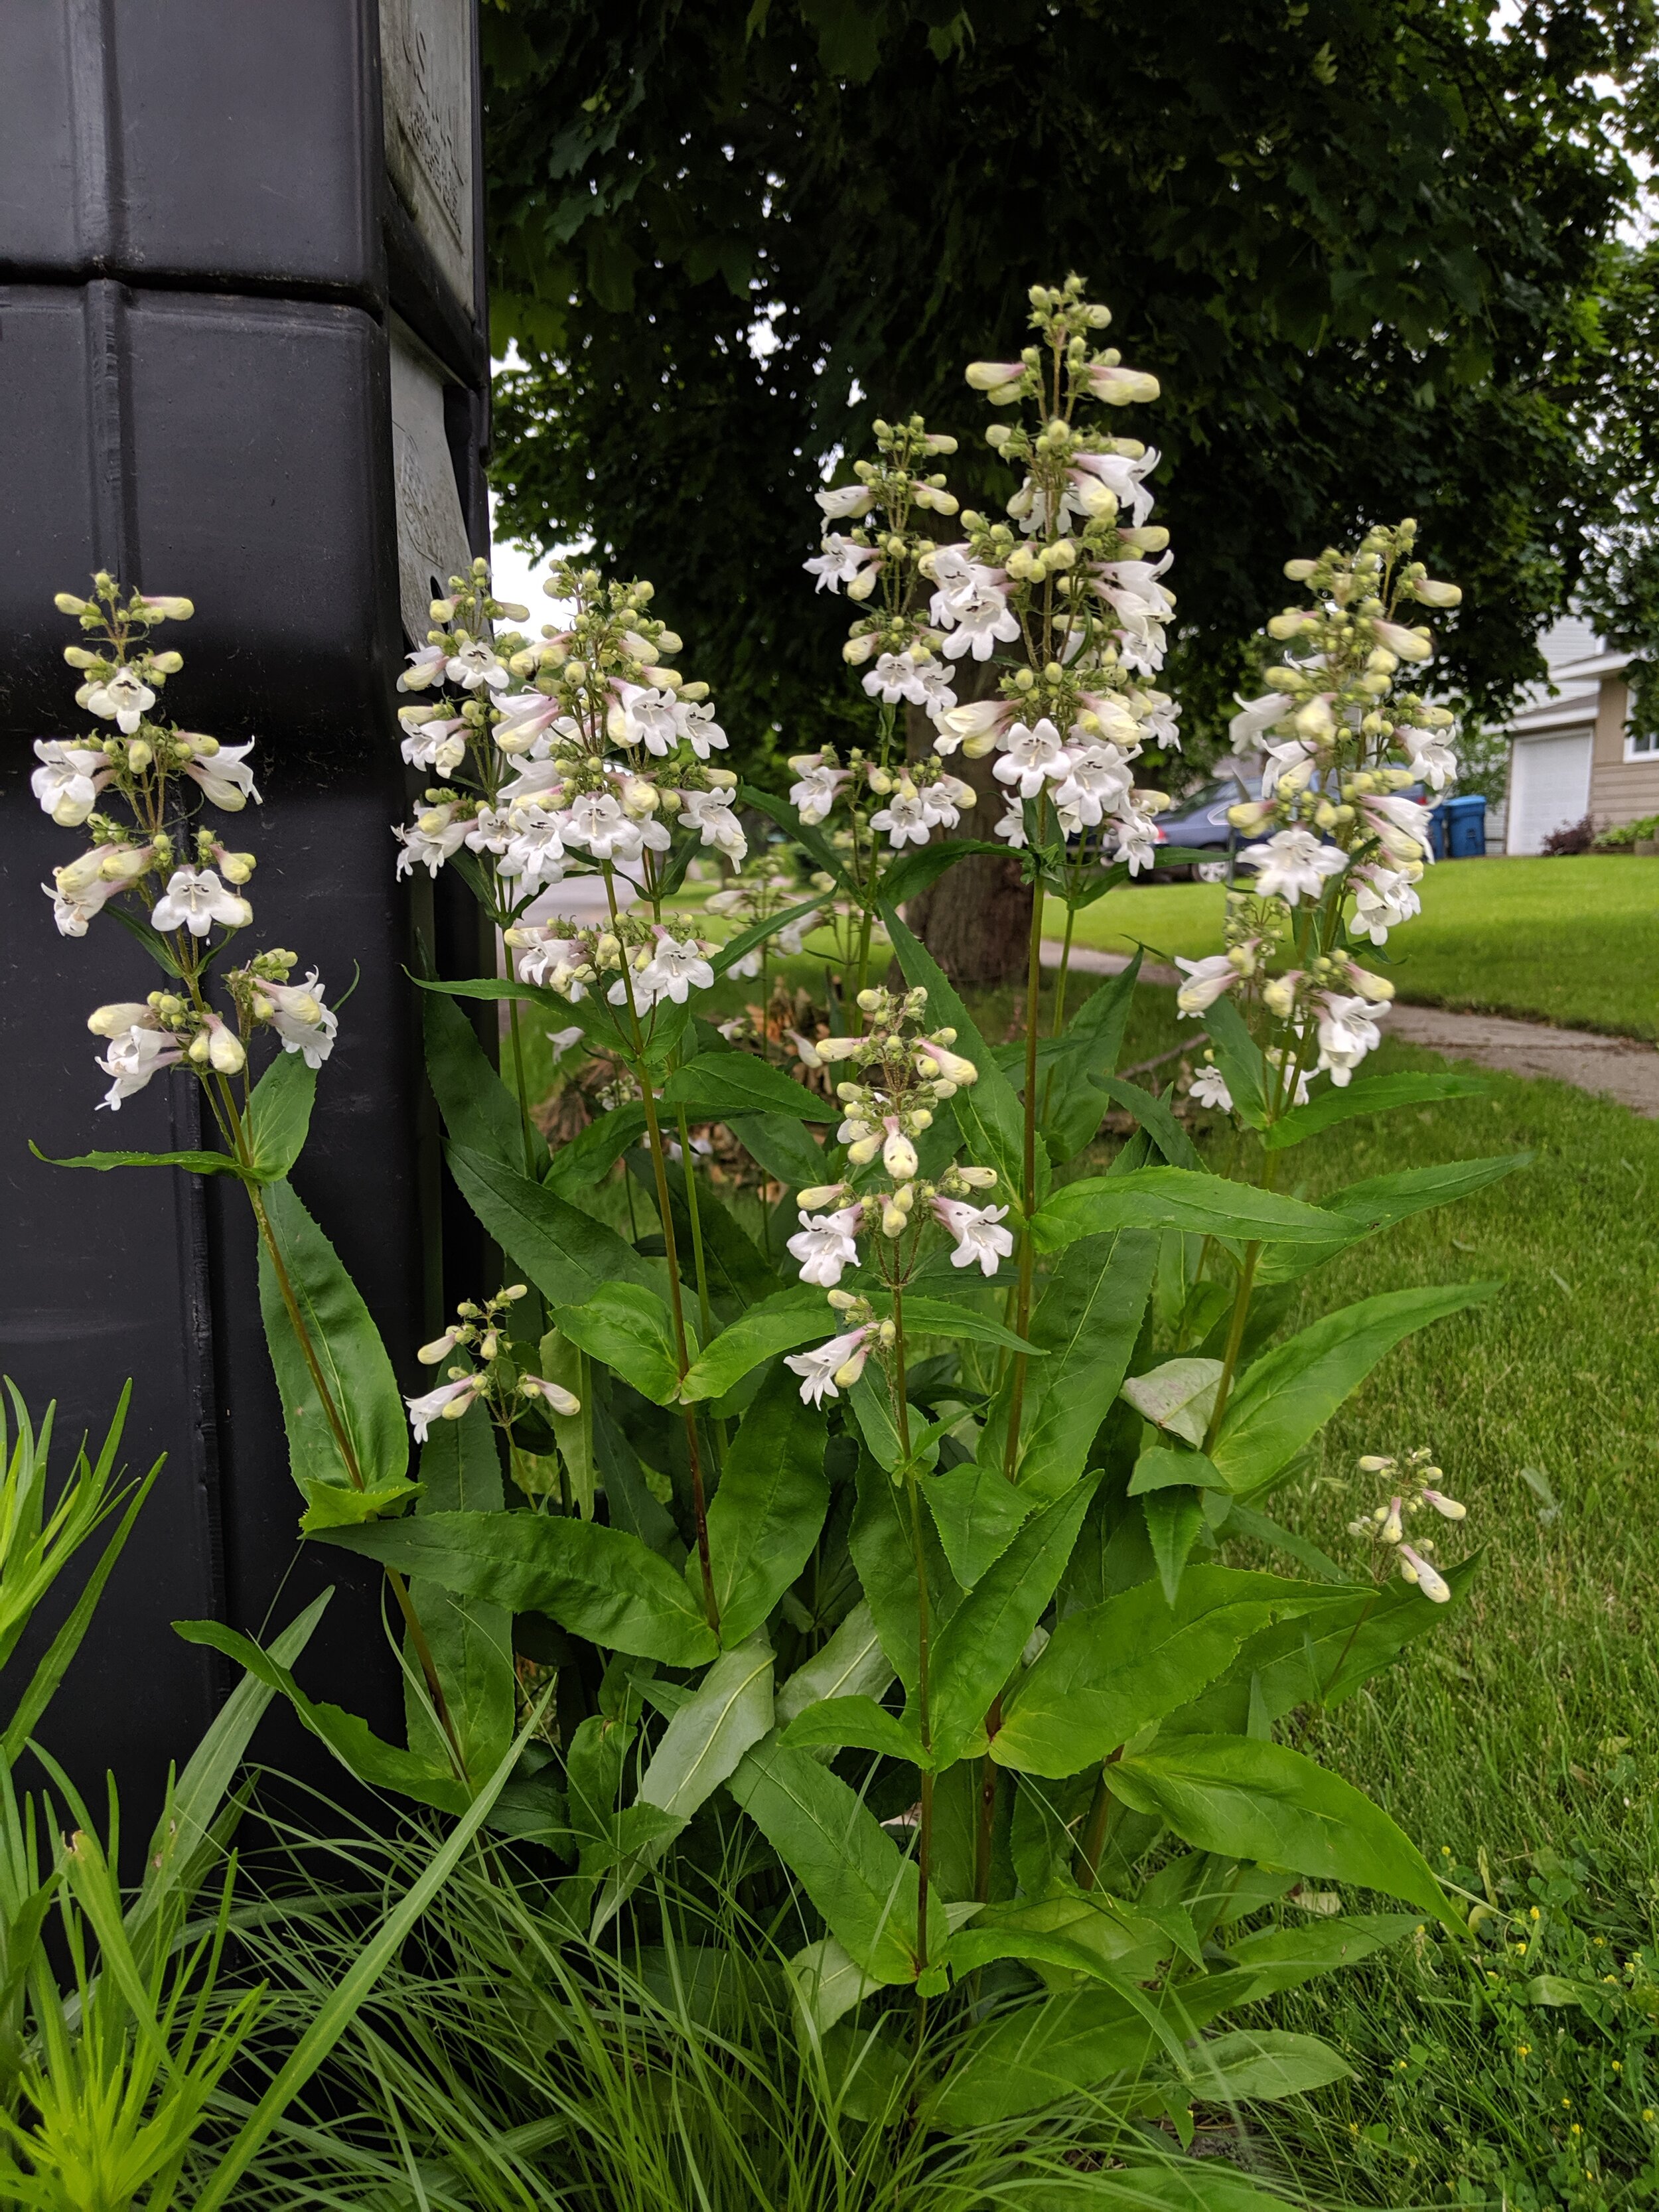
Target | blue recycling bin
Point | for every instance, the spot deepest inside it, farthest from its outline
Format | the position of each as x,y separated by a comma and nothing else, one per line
1458,827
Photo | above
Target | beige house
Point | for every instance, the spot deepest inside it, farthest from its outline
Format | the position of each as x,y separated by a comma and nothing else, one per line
1570,750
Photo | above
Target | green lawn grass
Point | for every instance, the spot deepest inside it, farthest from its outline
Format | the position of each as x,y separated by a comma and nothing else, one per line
1574,941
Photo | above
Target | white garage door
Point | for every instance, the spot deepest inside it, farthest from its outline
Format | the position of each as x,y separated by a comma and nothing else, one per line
1549,788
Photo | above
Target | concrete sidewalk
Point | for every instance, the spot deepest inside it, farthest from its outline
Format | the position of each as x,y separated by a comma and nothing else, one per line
1624,1068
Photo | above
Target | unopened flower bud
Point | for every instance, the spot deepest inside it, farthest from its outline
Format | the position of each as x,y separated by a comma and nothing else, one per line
115,1020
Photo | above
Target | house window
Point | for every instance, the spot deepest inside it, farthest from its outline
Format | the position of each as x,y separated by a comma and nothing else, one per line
1643,747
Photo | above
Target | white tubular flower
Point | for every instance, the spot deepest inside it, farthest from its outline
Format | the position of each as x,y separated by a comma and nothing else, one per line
534,853
834,1367
68,783
1097,780
673,970
446,1403
429,839
1400,825
993,375
1406,644
1416,1569
1123,477
946,800
426,666
845,502
934,682
904,816
133,1057
980,1241
476,668
1136,842
72,910
895,676
1012,827
298,1017
815,795
122,699
975,727
934,1059
1289,766
702,733
439,746
441,1347
898,1154
1433,759
825,1244
1383,898
1032,757
792,938
596,820
562,1401
1119,386
195,899
839,563
225,1053
1347,1031
1207,980
1209,1088
1293,864
709,813
646,716
525,721
978,618
226,777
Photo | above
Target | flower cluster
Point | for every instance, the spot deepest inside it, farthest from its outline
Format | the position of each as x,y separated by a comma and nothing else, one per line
1416,1476
178,881
494,1377
896,1073
648,963
581,751
1335,749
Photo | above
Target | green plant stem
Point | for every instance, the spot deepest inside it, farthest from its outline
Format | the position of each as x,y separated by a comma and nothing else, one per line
659,1165
1102,1810
989,1778
705,1312
1028,1195
925,1833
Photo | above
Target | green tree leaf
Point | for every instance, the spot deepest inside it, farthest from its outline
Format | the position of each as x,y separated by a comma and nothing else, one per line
1289,1393
348,1349
1239,1058
764,1518
590,1157
782,1146
735,948
597,1582
726,1715
908,876
830,1840
629,1328
1247,1798
1262,2062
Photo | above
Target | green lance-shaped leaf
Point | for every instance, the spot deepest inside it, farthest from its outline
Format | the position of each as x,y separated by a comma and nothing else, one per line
1093,1039
348,1349
1174,1518
1272,1959
629,1329
597,1582
559,1360
1159,1469
565,1252
1359,1630
1178,1397
735,948
979,1647
1289,1394
469,1638
192,1162
858,1723
1087,1321
915,872
716,1085
1381,1201
737,1269
765,1516
1372,1094
279,1116
779,1145
382,1765
1261,2063
882,1544
1175,1197
925,1317
851,1664
988,1113
830,1840
590,1157
1247,1798
976,1511
779,1323
1157,1122
1239,1058
478,1109
1108,1671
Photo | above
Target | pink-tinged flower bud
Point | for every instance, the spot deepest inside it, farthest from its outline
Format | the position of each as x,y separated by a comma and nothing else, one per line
1409,644
169,607
114,1021
1119,386
1416,1569
821,1193
993,375
952,1066
562,1401
806,1050
1431,594
864,1150
225,1052
838,1048
439,1348
1393,1530
979,1178
898,1156
1448,1508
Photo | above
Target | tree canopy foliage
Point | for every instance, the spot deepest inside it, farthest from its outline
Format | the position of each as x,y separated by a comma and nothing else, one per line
1364,245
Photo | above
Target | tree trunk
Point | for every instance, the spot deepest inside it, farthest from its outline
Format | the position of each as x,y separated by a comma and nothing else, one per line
976,920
